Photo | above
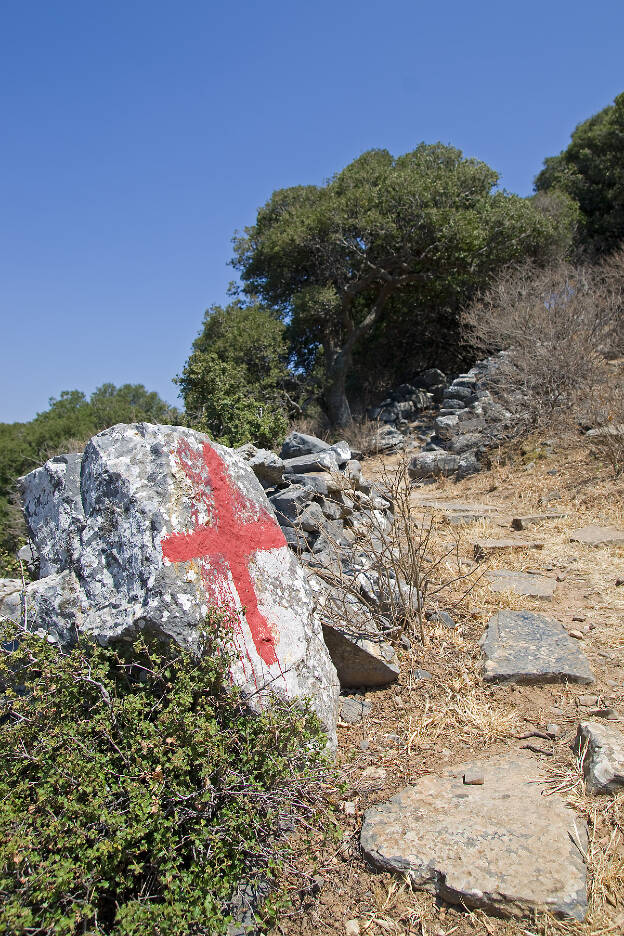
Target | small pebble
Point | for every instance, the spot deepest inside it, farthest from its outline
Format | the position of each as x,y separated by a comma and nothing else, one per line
587,701
406,644
554,730
364,745
579,618
576,634
352,928
349,808
619,582
608,713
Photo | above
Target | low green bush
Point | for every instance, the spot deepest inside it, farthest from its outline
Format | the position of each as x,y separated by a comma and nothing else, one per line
137,791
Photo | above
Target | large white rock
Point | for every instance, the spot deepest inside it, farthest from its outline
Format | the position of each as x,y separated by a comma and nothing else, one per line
150,528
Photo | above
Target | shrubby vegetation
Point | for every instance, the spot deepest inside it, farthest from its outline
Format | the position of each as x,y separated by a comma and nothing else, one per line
235,382
136,791
65,426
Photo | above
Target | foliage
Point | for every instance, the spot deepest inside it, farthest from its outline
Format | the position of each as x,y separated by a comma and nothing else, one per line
591,171
234,382
397,242
136,791
68,423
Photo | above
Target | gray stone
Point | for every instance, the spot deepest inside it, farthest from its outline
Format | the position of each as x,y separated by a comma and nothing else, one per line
311,519
451,406
522,647
27,554
484,547
341,452
317,461
289,503
386,439
318,482
163,526
468,464
433,465
267,467
298,443
442,617
53,505
455,392
602,749
465,442
598,536
430,378
11,599
500,846
522,583
361,658
353,709
446,427
353,469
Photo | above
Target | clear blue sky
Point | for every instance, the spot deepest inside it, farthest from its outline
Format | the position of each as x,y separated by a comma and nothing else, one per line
137,136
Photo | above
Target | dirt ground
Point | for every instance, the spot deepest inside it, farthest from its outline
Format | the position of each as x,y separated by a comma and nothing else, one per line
420,726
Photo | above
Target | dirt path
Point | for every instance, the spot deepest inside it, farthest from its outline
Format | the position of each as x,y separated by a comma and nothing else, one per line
421,725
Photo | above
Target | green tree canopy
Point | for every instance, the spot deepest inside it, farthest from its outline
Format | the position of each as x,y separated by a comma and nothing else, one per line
591,171
412,237
234,384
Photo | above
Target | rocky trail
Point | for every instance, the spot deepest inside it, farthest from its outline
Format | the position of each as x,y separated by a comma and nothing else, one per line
481,787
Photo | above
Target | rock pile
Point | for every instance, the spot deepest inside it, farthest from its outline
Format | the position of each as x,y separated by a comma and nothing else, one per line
468,422
337,523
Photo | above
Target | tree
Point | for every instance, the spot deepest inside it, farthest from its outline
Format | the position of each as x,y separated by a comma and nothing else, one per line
591,171
422,232
234,383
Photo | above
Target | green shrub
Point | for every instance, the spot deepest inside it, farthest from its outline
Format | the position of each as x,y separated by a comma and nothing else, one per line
136,791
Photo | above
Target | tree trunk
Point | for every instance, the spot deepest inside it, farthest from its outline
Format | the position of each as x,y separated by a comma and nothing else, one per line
335,397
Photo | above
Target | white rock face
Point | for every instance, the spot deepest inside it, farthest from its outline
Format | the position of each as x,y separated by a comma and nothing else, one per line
154,525
602,749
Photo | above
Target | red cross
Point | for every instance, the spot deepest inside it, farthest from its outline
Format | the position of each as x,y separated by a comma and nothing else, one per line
229,538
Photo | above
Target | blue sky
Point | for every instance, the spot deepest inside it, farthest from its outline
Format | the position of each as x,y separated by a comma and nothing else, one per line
138,136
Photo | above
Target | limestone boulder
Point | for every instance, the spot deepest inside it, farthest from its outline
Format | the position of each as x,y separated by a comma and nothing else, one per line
153,526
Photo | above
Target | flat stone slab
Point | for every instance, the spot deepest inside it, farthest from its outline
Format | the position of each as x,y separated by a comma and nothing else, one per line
361,659
603,761
458,506
498,845
598,536
484,547
523,647
522,583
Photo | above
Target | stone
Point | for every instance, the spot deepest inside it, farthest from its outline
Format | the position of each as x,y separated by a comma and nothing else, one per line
483,510
500,846
465,442
482,548
317,481
455,392
352,928
386,439
523,647
430,378
474,776
150,529
446,427
289,503
311,519
267,466
353,470
341,452
298,443
362,659
353,709
522,523
11,606
598,536
442,617
433,465
602,749
316,461
522,583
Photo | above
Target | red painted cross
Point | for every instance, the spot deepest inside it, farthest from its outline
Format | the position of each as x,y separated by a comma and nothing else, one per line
228,538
